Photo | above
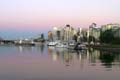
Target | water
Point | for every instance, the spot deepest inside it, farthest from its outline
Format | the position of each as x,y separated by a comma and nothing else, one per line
49,63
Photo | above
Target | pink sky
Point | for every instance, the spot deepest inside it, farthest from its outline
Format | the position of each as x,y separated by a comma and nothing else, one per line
44,14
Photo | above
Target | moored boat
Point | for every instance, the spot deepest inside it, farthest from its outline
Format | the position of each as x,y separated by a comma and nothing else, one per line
80,46
26,42
61,45
53,43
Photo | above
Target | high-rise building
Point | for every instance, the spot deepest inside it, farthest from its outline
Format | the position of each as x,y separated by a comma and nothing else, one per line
50,36
69,33
56,33
94,31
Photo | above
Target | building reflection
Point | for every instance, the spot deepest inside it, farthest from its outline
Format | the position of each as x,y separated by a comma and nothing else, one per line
38,49
22,49
93,55
90,56
66,56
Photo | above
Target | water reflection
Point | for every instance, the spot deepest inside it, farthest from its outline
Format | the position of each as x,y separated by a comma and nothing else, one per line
22,49
41,47
106,58
68,57
38,48
50,63
109,58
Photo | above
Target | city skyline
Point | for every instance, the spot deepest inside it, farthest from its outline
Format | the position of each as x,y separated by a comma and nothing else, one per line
32,17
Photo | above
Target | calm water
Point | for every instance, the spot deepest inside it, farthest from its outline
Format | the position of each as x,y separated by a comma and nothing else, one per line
49,63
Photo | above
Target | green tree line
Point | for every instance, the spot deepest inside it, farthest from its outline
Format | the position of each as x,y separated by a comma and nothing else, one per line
108,37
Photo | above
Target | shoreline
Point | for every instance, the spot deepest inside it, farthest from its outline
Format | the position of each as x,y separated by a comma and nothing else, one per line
105,47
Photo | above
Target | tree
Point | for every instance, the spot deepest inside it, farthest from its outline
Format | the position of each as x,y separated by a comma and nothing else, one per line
107,36
91,39
75,38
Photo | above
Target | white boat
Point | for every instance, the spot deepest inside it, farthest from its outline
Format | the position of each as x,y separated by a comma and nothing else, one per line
52,43
72,43
61,45
24,42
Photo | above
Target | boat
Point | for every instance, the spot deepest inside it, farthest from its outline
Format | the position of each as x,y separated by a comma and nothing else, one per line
80,46
53,43
26,42
71,43
61,45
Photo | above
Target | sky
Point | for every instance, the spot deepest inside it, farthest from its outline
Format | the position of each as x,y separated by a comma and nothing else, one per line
29,18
